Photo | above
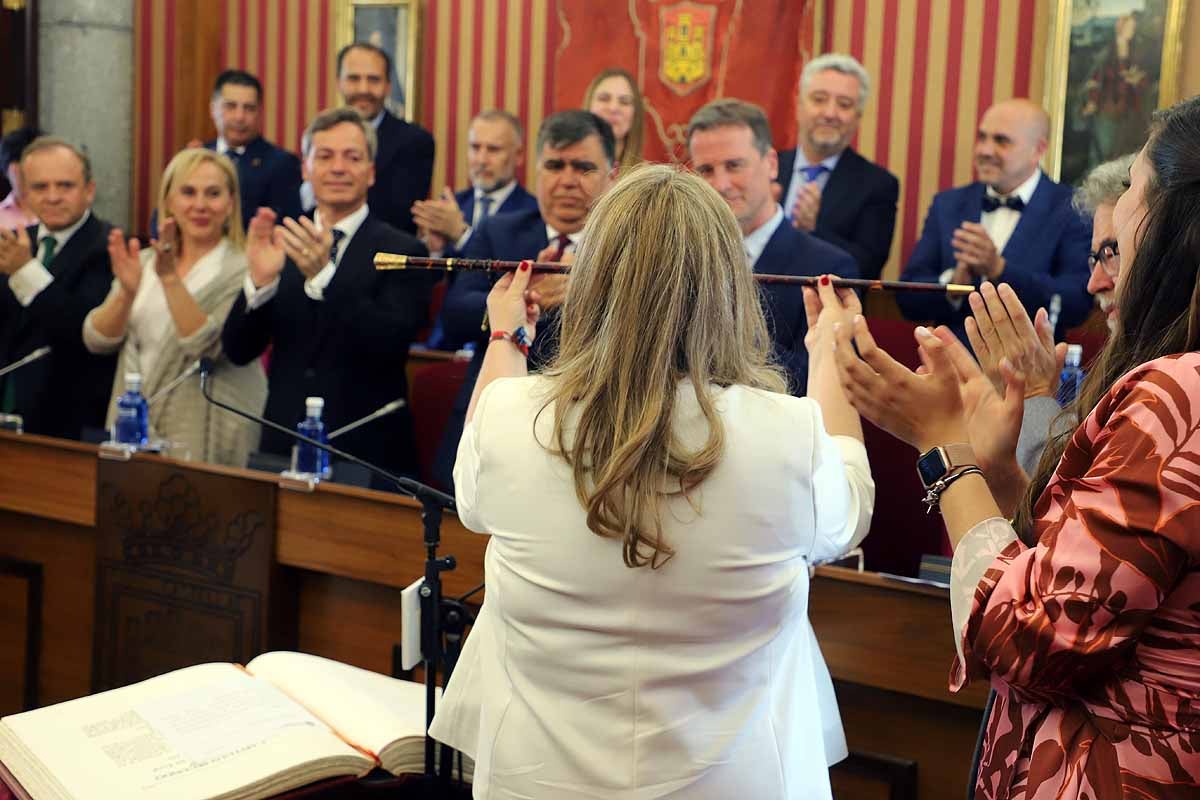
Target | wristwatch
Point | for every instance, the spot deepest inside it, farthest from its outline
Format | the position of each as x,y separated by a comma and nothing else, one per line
940,462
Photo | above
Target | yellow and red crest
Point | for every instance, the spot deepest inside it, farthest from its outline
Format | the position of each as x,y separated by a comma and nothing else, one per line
685,60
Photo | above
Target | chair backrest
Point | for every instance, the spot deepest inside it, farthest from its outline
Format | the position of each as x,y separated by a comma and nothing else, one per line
901,531
431,396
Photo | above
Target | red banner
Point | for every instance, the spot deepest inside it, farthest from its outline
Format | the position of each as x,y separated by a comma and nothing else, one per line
685,54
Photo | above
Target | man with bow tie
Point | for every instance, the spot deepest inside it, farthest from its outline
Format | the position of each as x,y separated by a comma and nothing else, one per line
1013,225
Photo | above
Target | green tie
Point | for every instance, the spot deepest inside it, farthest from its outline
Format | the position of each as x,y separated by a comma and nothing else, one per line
50,243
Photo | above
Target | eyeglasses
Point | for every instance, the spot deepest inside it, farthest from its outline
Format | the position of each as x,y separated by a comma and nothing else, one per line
1107,257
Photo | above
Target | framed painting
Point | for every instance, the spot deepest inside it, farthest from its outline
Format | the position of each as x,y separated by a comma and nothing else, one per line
393,26
1110,64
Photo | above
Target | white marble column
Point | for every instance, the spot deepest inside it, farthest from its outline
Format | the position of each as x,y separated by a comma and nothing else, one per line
85,90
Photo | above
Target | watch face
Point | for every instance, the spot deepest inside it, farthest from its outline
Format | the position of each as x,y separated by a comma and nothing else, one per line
932,466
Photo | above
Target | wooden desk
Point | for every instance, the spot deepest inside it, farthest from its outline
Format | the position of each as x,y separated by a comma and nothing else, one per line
888,644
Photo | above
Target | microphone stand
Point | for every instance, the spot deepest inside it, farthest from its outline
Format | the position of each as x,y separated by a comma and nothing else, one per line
433,503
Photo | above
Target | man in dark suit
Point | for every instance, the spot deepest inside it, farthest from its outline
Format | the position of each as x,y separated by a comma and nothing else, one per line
268,176
576,155
729,144
494,156
404,160
828,189
1014,225
339,329
54,274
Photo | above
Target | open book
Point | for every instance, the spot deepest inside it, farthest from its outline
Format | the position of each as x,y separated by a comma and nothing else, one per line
220,732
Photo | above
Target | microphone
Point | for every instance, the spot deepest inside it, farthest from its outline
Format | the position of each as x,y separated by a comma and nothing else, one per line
409,486
36,355
170,387
433,503
390,408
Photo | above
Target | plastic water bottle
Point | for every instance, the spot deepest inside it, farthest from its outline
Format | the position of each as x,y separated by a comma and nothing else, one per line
133,416
309,459
1072,375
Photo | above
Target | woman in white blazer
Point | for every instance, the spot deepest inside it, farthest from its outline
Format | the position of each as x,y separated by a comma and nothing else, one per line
654,501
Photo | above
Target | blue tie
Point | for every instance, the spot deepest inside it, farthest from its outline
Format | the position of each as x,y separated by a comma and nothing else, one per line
813,171
333,248
485,207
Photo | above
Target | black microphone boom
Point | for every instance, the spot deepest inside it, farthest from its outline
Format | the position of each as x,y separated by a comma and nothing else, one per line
414,488
433,503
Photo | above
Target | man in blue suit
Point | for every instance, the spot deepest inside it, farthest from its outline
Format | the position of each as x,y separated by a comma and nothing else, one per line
827,188
268,176
404,160
1014,225
494,156
576,158
729,144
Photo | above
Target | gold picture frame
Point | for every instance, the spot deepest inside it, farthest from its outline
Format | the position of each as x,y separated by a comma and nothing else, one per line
395,27
1110,64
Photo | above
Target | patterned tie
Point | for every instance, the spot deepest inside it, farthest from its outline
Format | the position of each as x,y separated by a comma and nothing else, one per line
49,243
813,171
992,203
333,248
563,241
233,155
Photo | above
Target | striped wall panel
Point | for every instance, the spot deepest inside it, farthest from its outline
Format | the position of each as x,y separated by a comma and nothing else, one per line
476,54
937,65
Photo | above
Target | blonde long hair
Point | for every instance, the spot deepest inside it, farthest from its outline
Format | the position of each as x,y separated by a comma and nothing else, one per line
629,151
660,292
182,166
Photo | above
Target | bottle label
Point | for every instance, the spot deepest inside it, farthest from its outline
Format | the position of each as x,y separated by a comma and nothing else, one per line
127,412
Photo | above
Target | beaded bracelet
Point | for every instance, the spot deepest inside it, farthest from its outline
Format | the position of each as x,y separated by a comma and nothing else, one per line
518,339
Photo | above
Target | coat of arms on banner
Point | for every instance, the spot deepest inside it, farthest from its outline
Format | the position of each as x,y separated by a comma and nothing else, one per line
685,59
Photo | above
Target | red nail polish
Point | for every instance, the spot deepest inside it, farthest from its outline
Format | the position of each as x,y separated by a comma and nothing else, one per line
824,280
524,266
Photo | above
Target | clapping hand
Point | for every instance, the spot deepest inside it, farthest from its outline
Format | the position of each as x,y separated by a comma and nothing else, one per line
305,244
15,250
1001,329
807,207
166,249
126,262
974,247
264,250
441,216
923,408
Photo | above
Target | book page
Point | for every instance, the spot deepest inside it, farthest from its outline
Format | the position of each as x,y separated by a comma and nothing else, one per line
369,709
198,732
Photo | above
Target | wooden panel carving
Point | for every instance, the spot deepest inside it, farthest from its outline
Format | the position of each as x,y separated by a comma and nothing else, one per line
185,571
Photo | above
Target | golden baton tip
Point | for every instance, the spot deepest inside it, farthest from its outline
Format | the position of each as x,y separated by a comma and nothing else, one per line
390,261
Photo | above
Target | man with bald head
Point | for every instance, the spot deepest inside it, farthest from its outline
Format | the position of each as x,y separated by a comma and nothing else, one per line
1013,225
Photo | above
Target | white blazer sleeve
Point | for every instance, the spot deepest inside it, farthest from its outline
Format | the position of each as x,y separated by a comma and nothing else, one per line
468,463
843,492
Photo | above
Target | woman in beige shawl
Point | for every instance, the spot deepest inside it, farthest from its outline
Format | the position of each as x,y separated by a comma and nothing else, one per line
168,304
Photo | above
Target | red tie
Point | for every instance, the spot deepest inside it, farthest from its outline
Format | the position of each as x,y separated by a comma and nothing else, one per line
563,242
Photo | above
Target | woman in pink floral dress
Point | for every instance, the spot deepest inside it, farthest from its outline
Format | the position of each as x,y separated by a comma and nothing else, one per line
1084,613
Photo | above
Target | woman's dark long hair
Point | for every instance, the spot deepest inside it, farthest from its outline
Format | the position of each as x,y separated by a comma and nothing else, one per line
1159,300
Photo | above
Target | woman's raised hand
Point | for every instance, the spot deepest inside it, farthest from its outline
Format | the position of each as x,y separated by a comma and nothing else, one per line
126,264
1001,330
509,303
